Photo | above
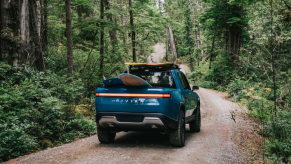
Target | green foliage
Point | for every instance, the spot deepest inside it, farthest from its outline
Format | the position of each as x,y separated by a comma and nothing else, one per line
46,109
35,111
235,89
14,141
220,74
230,44
279,144
263,65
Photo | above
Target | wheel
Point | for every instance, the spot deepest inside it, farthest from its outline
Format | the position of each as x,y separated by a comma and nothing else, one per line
195,125
105,136
177,137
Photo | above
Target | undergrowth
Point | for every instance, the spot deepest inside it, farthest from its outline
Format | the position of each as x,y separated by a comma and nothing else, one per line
255,93
38,110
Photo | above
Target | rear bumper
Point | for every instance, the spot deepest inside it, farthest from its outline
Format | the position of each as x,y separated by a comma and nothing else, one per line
123,121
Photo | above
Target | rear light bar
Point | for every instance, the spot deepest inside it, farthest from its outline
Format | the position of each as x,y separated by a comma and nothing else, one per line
132,95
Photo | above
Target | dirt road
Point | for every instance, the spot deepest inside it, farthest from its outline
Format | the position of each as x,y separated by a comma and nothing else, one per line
212,145
159,53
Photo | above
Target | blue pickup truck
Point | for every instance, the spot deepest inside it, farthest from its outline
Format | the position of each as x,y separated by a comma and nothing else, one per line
167,105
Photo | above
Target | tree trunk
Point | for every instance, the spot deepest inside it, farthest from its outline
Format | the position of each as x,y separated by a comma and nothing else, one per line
211,53
1,20
112,32
10,14
69,37
126,19
195,38
38,41
201,43
21,21
3,45
172,40
24,32
101,38
234,35
188,39
45,26
122,22
167,47
132,31
197,47
173,45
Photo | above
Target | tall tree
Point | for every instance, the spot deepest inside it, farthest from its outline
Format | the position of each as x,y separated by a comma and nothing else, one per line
69,36
189,27
9,30
112,32
235,32
229,20
21,29
101,38
132,30
35,32
122,23
25,35
1,28
45,25
172,40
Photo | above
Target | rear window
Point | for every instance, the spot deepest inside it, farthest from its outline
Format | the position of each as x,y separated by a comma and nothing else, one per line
158,79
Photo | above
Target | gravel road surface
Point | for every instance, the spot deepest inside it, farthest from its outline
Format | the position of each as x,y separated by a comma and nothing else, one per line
212,145
159,53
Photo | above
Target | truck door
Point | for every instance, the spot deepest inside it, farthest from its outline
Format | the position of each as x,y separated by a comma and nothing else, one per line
190,102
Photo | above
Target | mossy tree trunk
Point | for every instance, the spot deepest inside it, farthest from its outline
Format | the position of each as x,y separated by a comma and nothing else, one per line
69,37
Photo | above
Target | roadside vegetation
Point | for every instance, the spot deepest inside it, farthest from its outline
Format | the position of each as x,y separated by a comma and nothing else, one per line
40,110
255,71
53,58
43,102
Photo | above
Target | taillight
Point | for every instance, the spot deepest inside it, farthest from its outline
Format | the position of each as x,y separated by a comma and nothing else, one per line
133,95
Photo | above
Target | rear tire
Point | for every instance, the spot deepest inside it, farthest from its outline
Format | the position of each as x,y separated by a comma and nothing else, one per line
195,125
105,135
177,137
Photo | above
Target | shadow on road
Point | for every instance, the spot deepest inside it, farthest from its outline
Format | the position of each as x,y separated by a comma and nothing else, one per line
144,139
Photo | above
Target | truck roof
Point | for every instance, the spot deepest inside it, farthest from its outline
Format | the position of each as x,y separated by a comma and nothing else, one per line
152,66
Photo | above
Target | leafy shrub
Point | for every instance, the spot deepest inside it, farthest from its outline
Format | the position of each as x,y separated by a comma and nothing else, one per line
36,111
255,91
278,130
235,88
207,84
14,141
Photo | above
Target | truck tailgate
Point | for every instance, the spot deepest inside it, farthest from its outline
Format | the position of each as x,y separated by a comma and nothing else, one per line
123,101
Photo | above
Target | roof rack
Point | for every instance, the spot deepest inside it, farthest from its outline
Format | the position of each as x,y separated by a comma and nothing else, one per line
149,64
136,67
153,64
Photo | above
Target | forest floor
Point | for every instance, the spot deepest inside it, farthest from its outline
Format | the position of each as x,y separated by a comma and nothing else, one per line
226,136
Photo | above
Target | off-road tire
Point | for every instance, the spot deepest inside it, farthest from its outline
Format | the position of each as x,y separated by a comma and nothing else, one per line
195,125
177,137
105,136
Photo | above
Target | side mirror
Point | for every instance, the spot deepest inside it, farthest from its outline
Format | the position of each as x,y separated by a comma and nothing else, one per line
194,88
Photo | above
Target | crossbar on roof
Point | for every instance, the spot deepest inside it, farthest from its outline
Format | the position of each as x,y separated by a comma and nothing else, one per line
149,64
